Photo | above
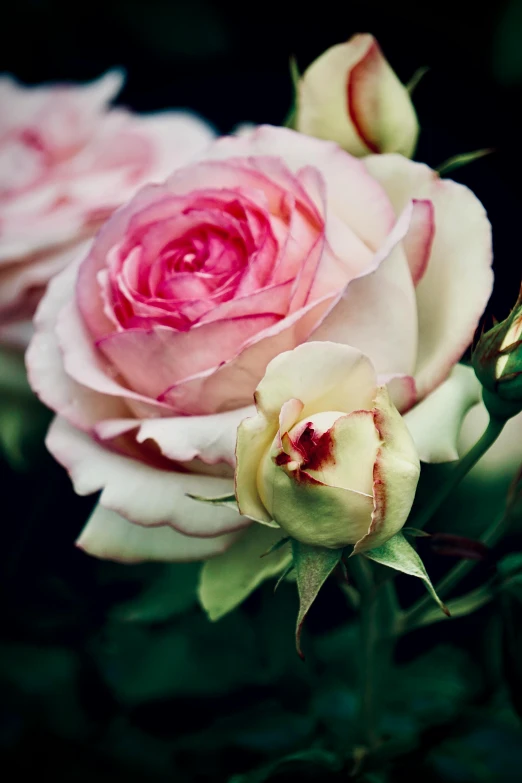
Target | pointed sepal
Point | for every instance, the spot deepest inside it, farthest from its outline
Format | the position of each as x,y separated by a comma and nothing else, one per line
397,553
313,565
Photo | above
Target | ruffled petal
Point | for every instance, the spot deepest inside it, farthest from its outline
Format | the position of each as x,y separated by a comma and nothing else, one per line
435,422
142,494
109,536
458,279
377,312
356,198
81,406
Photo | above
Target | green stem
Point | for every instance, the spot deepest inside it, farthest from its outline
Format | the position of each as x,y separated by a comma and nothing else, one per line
378,610
414,616
462,467
362,573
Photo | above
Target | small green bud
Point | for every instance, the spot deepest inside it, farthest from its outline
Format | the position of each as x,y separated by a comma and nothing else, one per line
497,361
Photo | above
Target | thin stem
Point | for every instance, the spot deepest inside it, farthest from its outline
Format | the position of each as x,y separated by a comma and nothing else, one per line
368,628
414,616
462,467
378,610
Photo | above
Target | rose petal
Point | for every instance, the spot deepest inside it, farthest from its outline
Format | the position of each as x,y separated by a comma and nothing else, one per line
109,536
19,280
81,406
232,385
178,137
83,364
458,280
324,376
418,241
142,494
90,303
385,296
254,438
176,355
395,475
402,390
211,439
436,421
378,104
356,198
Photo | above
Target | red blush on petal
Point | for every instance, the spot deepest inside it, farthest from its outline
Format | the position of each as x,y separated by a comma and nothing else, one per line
317,450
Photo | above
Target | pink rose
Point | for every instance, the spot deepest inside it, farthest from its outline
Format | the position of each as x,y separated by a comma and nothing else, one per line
66,162
151,346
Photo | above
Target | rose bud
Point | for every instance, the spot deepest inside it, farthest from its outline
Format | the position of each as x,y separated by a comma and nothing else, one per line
497,361
327,457
351,95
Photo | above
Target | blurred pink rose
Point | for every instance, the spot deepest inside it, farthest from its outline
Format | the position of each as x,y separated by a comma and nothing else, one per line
151,346
66,162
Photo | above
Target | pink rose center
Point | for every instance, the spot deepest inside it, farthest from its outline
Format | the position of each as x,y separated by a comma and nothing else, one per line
172,270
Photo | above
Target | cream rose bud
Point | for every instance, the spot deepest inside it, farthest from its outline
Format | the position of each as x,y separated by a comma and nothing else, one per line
327,458
351,95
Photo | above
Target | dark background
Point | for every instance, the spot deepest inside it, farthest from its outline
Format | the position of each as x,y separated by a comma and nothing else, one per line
64,710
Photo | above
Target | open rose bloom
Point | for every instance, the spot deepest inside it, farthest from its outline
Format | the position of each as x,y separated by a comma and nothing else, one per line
66,162
150,346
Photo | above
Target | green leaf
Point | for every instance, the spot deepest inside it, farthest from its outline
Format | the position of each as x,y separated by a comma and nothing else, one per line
226,580
415,79
23,419
313,565
228,501
171,592
23,424
461,160
462,606
13,375
397,553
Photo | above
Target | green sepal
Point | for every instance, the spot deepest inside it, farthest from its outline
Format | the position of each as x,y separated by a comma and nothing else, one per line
291,117
414,532
276,546
419,74
288,570
228,501
457,161
397,553
313,565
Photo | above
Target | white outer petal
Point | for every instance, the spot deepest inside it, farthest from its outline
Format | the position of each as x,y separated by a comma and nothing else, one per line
140,493
435,422
109,536
458,279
